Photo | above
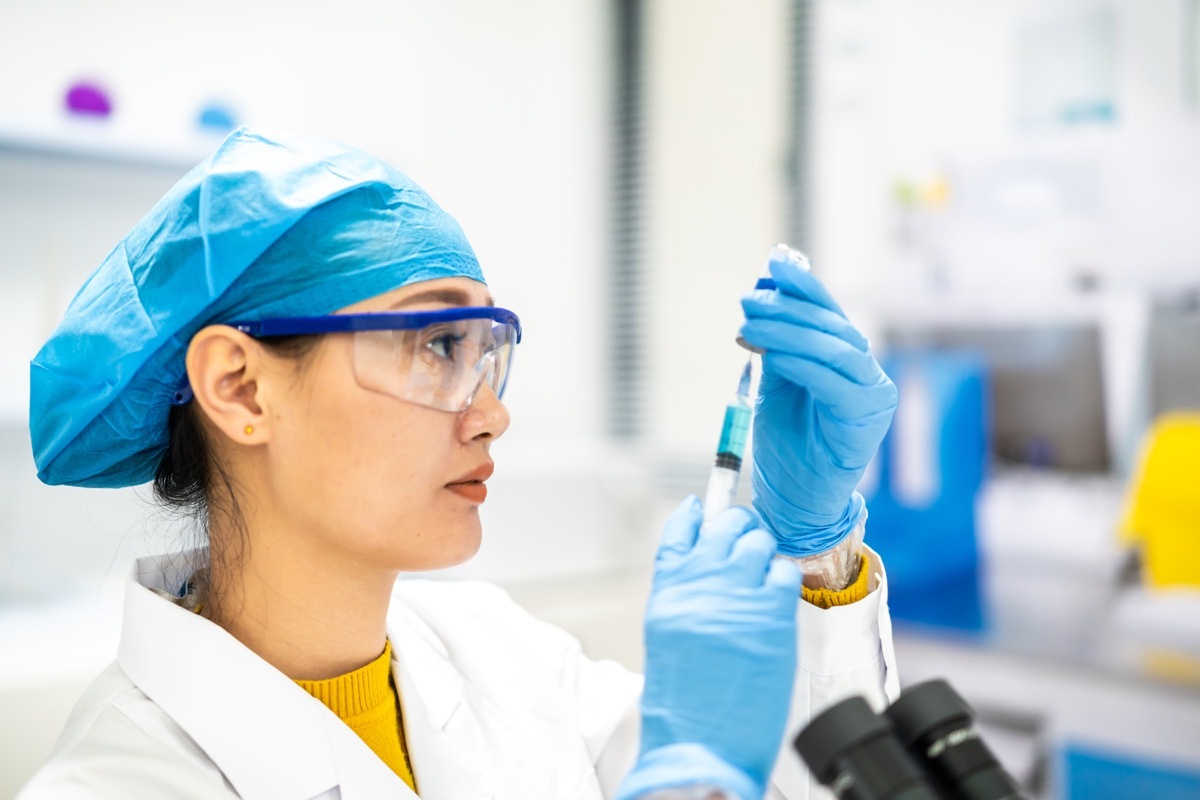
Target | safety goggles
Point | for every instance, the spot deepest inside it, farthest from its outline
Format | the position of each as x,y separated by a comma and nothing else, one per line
438,359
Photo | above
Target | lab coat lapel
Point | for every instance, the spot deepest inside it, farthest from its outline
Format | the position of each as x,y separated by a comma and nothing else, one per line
270,739
478,723
361,774
247,716
447,756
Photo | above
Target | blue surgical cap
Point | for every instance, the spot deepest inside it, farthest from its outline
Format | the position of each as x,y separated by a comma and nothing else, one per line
270,225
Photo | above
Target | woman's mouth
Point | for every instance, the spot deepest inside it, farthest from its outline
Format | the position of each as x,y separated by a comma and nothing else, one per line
471,485
475,491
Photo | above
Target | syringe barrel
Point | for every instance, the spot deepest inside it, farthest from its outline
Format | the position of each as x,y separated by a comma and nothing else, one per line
722,486
734,429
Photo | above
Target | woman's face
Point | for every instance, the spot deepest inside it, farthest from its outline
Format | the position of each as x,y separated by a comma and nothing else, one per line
375,478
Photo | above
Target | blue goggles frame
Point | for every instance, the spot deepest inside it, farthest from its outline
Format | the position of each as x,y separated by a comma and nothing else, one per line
349,323
374,321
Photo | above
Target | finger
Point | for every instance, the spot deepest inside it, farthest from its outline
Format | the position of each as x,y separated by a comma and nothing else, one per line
823,348
782,307
784,575
680,530
718,536
750,556
846,398
796,282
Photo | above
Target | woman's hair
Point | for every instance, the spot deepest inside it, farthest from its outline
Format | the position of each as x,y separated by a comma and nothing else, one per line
188,472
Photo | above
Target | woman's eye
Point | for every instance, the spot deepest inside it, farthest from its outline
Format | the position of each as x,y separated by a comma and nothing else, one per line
444,345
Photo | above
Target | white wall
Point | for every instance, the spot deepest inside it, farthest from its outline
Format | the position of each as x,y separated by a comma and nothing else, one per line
716,97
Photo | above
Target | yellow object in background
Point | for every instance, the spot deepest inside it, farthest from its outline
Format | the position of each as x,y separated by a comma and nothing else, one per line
1163,512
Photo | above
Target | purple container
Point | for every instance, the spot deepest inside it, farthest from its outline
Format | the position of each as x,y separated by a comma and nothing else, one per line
88,99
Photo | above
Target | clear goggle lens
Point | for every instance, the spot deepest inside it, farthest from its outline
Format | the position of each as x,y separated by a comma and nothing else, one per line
440,366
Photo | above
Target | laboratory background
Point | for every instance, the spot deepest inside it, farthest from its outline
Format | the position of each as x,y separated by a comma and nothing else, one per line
1003,194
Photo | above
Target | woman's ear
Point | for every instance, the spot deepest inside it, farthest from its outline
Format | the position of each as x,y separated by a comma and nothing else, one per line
225,370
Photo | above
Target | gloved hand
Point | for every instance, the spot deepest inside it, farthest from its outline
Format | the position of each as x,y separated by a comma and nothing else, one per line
720,656
824,405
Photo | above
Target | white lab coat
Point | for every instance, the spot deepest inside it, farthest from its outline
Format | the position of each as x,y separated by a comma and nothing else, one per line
496,704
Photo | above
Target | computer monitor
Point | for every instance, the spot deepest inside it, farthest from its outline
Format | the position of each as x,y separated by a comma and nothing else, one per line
1046,388
1173,345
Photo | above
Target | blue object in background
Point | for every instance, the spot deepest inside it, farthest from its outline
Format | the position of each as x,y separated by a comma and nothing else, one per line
217,118
1087,773
930,469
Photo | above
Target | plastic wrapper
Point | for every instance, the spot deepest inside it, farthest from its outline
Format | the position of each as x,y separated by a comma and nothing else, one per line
837,567
689,793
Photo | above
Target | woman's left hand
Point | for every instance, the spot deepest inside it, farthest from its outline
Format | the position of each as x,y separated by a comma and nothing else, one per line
824,405
720,656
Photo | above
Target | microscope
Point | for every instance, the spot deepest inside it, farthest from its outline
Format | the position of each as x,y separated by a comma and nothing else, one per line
924,746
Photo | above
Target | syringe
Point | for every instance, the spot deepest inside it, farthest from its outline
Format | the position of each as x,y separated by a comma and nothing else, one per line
723,480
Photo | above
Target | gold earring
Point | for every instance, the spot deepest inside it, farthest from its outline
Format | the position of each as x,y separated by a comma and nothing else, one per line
249,430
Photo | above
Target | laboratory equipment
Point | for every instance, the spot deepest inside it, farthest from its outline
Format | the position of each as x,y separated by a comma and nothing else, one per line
923,747
1172,360
723,479
937,727
1163,508
216,117
853,751
88,99
929,472
1046,387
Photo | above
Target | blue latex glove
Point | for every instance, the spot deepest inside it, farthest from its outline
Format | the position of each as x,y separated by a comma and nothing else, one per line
824,405
720,656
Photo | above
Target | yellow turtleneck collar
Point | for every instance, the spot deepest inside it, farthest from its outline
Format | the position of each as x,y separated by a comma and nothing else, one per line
366,700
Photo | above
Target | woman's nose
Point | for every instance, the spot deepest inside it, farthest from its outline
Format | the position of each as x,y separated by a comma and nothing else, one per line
485,418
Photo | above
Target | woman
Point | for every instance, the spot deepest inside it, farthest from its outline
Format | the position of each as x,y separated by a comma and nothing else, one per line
298,345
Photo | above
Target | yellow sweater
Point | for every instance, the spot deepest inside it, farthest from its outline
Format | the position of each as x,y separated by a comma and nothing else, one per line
366,700
827,598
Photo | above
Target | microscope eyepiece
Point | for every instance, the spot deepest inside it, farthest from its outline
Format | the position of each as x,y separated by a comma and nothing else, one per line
937,728
853,751
924,747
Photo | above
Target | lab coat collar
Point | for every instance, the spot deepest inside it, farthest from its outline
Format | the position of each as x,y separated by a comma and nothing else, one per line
269,737
439,729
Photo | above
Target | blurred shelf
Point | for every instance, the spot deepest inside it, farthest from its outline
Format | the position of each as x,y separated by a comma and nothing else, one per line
1007,308
100,142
